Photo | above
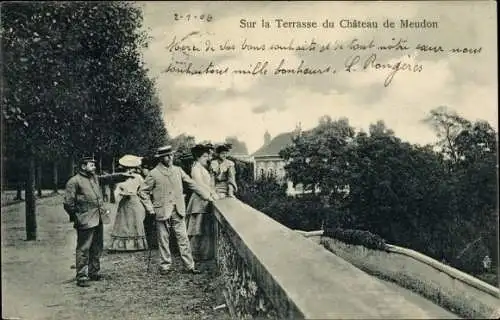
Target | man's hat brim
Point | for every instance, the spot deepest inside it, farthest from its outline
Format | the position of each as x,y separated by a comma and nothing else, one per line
158,155
163,151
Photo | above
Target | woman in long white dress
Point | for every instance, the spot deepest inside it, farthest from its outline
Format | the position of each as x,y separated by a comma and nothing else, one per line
200,220
128,231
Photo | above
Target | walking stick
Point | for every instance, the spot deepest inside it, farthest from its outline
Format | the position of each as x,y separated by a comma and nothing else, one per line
150,248
149,257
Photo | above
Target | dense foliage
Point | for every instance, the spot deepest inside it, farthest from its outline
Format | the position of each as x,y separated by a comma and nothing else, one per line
357,237
75,83
238,147
440,200
75,73
301,213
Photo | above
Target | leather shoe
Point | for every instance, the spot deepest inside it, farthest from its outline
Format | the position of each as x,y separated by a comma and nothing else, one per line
194,271
83,283
95,277
165,271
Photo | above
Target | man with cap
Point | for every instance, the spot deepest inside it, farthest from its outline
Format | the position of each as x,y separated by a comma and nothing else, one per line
162,194
83,201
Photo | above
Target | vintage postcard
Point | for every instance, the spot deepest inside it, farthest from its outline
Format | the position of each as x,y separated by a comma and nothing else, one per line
260,159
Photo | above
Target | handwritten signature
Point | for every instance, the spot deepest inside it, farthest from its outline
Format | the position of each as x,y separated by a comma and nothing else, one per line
356,63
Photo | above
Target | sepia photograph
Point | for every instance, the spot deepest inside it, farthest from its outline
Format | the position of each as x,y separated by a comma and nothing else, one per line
249,160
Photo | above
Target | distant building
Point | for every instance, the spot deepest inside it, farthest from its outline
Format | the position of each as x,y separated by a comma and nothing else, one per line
267,161
241,157
267,138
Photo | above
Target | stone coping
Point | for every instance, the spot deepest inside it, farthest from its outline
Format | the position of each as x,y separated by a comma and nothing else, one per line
302,279
452,272
423,279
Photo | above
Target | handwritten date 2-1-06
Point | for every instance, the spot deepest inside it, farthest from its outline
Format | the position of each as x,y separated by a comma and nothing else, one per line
191,17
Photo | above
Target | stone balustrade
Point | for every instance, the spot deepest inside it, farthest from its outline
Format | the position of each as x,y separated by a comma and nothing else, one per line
268,270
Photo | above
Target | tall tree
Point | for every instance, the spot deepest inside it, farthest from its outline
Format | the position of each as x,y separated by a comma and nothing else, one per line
183,144
238,147
29,88
448,125
477,185
314,159
75,83
379,129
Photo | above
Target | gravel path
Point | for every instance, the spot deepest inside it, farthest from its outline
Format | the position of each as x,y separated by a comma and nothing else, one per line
37,282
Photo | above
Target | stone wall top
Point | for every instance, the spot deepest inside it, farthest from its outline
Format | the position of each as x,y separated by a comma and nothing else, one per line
302,279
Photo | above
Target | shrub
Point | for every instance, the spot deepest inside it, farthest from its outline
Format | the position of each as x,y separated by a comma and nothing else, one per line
357,237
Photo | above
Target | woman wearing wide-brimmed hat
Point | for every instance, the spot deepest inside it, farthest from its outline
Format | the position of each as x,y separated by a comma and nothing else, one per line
128,231
200,221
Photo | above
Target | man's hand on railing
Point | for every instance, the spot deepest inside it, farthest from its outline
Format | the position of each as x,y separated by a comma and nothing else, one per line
213,196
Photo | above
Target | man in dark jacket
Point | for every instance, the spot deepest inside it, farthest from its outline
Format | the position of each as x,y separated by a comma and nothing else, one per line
83,201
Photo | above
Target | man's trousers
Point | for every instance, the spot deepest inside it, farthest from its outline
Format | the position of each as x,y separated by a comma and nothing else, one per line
178,224
89,248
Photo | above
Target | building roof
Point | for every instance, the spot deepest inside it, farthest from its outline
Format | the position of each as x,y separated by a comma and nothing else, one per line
242,157
275,146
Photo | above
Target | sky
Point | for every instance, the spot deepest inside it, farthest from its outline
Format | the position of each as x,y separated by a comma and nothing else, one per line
212,107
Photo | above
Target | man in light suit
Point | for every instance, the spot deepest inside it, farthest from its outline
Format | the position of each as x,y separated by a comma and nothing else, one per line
162,196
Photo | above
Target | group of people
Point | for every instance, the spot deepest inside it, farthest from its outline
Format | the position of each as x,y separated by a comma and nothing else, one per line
158,193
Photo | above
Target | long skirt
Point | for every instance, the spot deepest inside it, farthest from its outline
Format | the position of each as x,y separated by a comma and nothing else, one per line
128,231
201,233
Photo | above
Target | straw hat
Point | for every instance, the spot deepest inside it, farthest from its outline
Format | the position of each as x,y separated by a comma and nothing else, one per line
130,161
163,151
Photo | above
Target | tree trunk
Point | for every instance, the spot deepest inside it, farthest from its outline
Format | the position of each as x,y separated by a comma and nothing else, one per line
39,179
72,166
21,178
55,177
100,164
112,186
30,201
19,190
